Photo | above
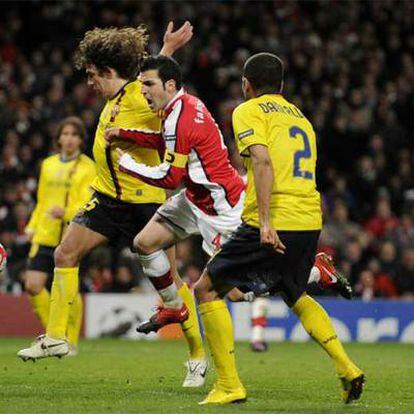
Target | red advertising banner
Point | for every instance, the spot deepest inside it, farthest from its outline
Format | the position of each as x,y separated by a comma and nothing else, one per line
17,317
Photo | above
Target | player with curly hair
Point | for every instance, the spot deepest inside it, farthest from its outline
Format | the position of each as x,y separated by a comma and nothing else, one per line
120,206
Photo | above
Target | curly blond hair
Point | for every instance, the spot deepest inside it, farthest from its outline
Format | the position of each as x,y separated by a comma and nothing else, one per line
121,49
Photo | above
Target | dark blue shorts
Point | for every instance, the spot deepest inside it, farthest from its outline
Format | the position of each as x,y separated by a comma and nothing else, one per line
117,220
244,262
43,260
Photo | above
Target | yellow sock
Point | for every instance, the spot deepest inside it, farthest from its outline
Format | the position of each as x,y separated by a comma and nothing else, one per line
64,290
75,320
191,327
218,330
317,324
41,305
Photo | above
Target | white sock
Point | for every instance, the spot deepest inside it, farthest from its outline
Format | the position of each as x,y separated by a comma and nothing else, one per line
170,297
259,312
257,333
157,268
315,275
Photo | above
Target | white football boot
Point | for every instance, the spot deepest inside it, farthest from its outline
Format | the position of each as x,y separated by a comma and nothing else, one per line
196,373
73,350
44,347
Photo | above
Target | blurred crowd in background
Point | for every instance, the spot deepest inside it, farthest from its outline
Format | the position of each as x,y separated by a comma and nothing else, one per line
350,68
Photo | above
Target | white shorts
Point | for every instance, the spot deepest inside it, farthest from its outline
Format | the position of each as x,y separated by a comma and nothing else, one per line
186,219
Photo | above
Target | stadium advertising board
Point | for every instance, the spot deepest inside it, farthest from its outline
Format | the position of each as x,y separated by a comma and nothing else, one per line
117,315
355,320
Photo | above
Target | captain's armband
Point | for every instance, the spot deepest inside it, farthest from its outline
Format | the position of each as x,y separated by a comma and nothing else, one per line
175,159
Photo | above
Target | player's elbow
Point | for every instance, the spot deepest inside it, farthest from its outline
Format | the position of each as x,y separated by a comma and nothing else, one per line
262,162
171,185
174,178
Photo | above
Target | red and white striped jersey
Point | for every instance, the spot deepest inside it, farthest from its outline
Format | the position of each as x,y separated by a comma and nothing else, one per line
194,152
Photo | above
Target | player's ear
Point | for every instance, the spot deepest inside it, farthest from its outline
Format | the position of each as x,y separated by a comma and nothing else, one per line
109,73
171,86
247,88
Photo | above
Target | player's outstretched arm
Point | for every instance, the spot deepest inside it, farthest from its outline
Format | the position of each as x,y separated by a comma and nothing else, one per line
144,139
175,40
263,181
165,175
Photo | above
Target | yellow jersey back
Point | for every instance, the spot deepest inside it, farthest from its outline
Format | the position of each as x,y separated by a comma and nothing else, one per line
129,110
272,121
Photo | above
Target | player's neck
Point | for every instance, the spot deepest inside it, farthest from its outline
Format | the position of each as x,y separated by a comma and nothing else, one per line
66,157
116,86
173,98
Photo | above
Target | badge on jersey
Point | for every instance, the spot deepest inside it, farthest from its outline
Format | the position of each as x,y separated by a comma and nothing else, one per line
245,134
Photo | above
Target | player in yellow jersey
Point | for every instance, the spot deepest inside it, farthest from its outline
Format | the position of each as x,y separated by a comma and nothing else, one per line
64,187
121,205
274,247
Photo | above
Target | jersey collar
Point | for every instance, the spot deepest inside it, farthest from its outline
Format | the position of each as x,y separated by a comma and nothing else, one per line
120,90
69,159
173,100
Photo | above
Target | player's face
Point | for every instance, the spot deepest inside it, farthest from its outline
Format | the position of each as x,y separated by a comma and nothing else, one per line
69,140
154,90
99,82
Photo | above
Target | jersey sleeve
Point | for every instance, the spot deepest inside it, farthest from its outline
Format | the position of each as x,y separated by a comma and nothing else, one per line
248,127
143,138
34,218
168,174
172,170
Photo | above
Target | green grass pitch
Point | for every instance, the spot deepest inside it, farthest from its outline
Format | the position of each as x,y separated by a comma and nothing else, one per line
119,376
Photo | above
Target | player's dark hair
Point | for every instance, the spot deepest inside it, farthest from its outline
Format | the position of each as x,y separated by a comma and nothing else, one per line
167,68
264,71
121,49
79,126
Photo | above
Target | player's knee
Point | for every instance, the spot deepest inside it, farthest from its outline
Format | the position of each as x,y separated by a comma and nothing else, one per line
66,257
33,286
142,245
203,291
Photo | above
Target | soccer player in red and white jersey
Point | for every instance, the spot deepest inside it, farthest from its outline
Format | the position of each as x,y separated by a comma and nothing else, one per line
194,154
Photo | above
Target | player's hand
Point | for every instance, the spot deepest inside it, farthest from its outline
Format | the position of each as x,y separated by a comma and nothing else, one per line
111,134
175,40
269,237
57,212
236,295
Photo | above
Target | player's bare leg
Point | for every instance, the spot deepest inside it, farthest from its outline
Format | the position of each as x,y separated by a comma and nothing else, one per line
77,241
150,244
218,331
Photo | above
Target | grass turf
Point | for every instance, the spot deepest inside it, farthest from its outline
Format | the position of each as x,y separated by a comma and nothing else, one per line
118,376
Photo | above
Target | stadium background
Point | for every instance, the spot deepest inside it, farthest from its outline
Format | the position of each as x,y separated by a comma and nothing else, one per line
350,69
